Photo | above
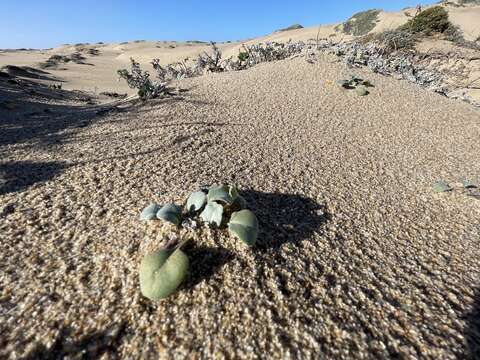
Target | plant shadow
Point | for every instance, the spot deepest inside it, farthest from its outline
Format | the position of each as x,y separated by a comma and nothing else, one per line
206,262
19,175
89,346
472,329
284,218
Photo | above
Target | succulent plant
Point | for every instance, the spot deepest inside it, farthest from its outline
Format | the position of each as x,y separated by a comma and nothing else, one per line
361,91
150,212
170,213
162,272
441,186
354,83
240,203
355,80
244,225
212,213
196,201
226,194
467,184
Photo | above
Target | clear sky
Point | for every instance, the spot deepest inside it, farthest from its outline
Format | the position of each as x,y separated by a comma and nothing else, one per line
49,23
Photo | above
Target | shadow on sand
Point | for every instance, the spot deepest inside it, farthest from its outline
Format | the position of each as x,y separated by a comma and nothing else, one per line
90,346
283,218
20,175
472,330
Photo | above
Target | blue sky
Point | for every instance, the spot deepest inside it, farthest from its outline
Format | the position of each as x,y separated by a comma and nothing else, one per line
49,23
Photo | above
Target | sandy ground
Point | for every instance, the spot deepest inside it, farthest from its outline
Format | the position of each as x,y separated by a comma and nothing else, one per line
356,258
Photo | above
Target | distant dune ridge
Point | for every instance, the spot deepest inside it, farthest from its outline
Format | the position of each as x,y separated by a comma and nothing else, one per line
102,75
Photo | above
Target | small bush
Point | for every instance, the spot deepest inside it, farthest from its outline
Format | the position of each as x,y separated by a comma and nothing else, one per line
432,20
243,56
360,23
138,79
211,62
291,27
394,40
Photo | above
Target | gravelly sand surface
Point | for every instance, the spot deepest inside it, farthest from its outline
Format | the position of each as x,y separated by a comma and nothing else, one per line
357,257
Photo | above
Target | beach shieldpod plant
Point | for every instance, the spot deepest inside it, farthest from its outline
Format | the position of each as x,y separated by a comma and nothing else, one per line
196,201
212,213
441,186
150,212
225,194
162,272
361,91
467,184
170,213
244,225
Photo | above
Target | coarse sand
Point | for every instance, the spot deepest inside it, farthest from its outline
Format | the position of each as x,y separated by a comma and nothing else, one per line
357,257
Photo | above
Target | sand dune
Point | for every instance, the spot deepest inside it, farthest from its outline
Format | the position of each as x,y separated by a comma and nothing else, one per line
357,257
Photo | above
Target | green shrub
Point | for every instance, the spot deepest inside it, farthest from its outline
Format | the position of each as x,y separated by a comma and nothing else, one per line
243,56
360,23
432,20
292,27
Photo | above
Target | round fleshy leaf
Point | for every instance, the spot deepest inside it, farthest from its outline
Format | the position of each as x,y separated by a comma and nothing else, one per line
226,194
150,212
240,203
212,213
170,213
355,80
441,186
467,184
361,91
345,84
162,272
196,201
244,225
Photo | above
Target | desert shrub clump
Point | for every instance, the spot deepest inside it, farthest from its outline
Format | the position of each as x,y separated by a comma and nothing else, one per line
291,27
431,20
206,62
139,79
361,23
395,40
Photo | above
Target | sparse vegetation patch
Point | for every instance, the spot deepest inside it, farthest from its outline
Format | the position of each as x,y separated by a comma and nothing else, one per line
139,79
291,27
360,23
431,20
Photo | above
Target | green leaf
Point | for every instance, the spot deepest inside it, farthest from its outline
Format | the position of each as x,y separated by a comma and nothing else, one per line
367,83
150,212
467,184
162,272
212,213
240,203
361,91
226,194
244,225
355,80
196,201
345,84
441,186
170,213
